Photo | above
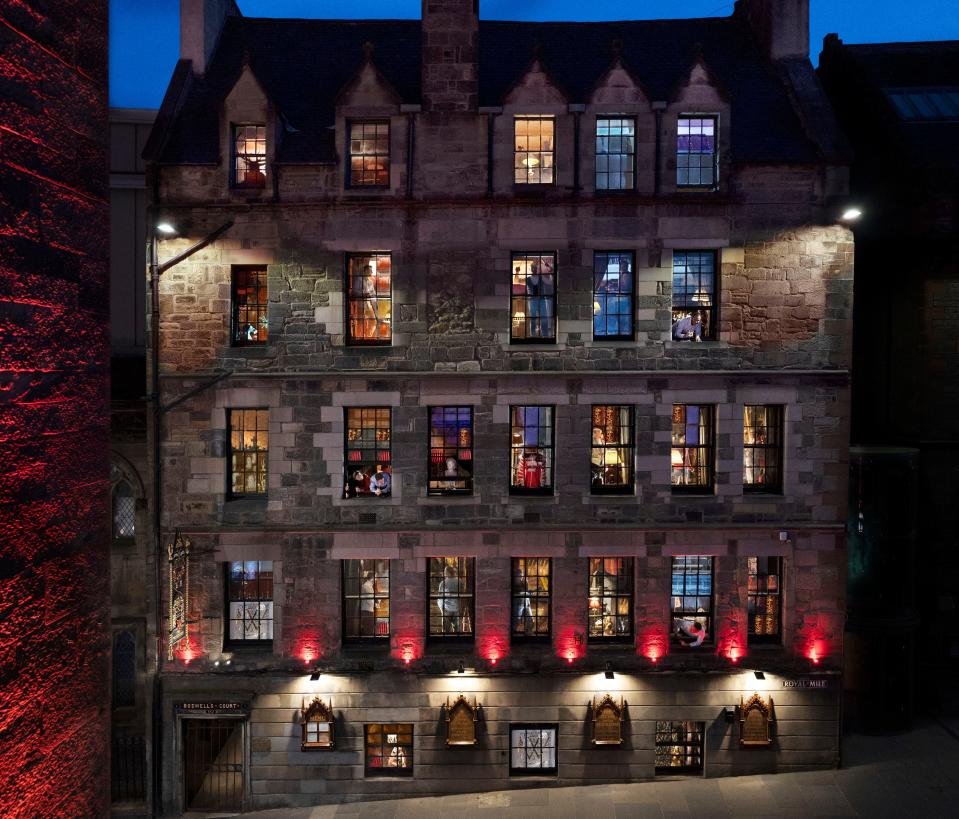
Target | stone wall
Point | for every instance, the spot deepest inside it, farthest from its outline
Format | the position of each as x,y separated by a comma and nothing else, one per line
54,348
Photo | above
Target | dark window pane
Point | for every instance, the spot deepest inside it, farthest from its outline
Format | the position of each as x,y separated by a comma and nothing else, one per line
694,295
613,295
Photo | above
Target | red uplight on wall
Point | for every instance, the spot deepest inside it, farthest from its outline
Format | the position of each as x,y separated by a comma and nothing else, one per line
406,648
188,653
653,644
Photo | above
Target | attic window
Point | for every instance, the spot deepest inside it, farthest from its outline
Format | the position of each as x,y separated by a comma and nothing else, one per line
533,157
696,151
249,156
925,104
369,154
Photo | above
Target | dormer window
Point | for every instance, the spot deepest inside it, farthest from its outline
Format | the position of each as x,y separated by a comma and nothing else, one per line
533,156
249,157
697,152
369,154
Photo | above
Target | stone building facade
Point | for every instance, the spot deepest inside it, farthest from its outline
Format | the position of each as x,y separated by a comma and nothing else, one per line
460,161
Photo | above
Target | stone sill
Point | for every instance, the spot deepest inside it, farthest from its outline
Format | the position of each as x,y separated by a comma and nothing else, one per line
450,500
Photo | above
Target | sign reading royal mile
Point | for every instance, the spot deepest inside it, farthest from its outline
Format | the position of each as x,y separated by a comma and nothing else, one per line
808,682
211,707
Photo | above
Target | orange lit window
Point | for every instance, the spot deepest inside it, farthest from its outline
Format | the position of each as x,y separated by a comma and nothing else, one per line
369,299
369,155
249,156
249,436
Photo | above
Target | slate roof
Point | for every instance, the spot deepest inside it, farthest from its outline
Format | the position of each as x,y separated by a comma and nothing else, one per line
303,64
884,66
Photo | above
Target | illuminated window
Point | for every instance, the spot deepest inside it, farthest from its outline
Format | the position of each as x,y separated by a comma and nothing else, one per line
532,749
369,154
679,747
533,298
692,448
369,290
249,595
614,296
451,596
451,451
615,153
124,512
366,599
691,624
763,448
531,596
369,463
250,305
764,623
612,452
696,152
389,749
531,450
249,437
533,157
694,295
249,156
610,601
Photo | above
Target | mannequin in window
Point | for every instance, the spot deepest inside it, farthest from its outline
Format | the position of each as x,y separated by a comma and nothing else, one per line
690,633
448,602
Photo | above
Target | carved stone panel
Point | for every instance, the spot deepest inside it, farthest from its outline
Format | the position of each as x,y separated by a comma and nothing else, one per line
461,717
608,721
755,720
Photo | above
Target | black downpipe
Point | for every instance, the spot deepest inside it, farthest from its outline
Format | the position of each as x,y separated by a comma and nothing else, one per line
410,146
576,186
489,155
657,173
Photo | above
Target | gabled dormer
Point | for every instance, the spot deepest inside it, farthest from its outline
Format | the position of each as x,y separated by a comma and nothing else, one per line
248,136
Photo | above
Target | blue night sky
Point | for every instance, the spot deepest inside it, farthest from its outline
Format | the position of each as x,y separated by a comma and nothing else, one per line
144,34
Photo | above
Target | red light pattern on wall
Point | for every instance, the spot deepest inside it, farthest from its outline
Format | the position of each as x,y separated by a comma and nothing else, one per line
731,641
493,644
570,644
407,647
653,643
54,560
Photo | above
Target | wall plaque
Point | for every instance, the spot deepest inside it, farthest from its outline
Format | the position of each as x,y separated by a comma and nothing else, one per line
212,707
461,721
318,722
608,721
807,682
755,719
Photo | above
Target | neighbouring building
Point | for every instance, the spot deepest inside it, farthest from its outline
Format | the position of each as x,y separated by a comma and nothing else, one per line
899,105
132,584
54,411
506,403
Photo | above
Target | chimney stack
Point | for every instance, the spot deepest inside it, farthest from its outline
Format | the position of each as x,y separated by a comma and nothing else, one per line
201,22
450,55
782,26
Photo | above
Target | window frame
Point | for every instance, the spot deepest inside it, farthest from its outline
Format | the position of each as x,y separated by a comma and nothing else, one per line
551,300
350,298
548,490
710,311
684,612
349,183
628,488
617,594
230,451
347,463
700,187
381,770
752,638
664,770
261,308
631,296
516,594
235,156
431,600
361,639
776,448
233,643
439,493
709,450
534,726
516,152
596,172
115,529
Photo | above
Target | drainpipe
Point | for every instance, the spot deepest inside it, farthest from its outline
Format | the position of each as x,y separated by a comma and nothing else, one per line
410,111
659,107
577,112
491,113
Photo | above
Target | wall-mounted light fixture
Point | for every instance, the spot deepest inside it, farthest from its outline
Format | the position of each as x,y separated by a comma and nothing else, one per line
609,671
759,675
461,669
850,214
315,675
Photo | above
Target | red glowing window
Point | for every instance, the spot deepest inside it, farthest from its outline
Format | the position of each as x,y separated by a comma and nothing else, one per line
369,154
249,156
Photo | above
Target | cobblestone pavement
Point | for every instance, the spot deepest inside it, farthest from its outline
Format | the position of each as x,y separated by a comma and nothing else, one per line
914,775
